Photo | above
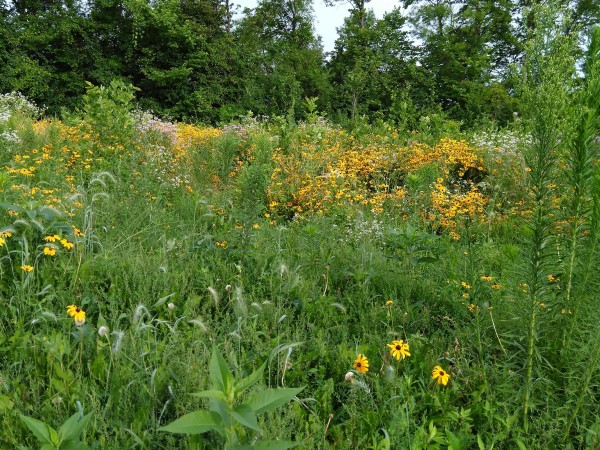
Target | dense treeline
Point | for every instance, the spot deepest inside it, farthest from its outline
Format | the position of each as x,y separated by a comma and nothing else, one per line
191,60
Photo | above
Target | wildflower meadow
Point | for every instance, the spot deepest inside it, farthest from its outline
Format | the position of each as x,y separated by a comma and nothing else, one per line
274,283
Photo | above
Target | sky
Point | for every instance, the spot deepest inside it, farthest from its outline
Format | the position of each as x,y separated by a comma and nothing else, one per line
329,18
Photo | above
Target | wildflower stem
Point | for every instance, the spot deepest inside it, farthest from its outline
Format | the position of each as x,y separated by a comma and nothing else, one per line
585,382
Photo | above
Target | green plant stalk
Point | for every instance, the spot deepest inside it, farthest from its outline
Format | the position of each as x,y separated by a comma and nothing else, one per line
570,271
477,315
529,366
585,383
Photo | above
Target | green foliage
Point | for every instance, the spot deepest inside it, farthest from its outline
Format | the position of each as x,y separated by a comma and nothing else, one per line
227,412
108,110
67,437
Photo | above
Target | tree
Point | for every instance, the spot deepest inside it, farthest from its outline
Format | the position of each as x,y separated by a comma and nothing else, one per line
373,64
283,58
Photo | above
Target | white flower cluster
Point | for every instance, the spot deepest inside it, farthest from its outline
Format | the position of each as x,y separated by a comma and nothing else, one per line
15,102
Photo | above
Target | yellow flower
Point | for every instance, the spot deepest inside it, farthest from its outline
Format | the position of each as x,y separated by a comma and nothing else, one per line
496,286
77,314
361,364
389,303
1,241
442,376
48,251
66,244
27,268
52,238
256,226
487,278
399,349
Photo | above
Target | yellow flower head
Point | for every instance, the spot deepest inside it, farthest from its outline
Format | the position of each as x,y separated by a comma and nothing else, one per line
52,238
77,314
389,303
49,251
487,278
66,244
27,268
361,364
441,375
399,349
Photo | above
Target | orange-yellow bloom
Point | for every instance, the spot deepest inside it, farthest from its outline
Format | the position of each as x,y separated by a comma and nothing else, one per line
442,376
361,364
399,349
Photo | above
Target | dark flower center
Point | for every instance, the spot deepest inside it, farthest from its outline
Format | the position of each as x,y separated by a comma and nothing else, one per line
442,373
358,364
77,310
398,347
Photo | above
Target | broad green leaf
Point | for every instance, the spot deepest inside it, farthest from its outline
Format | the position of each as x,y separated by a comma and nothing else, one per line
454,442
250,380
162,301
275,445
8,206
211,393
74,445
270,399
196,422
72,428
219,372
480,443
245,415
39,429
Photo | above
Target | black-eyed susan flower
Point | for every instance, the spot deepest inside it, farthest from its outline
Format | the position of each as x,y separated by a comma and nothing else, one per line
52,238
66,244
27,268
389,303
361,364
77,314
49,251
487,278
399,349
441,375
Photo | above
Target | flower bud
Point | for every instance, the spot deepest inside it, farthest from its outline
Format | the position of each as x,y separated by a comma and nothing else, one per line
103,331
171,306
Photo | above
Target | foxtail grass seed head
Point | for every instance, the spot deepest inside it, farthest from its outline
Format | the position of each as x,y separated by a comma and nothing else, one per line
214,294
118,342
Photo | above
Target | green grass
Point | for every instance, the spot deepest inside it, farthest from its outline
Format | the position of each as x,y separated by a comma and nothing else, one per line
173,270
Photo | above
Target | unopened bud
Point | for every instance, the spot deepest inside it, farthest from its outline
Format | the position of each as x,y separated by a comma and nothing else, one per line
103,331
